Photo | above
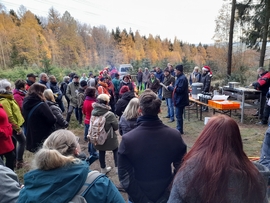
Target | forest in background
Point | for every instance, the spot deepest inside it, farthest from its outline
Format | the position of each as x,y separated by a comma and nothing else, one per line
58,44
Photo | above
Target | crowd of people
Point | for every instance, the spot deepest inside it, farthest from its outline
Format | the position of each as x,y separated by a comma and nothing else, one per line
151,160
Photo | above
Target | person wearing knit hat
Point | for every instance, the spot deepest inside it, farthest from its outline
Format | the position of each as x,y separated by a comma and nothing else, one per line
206,78
180,96
206,81
124,89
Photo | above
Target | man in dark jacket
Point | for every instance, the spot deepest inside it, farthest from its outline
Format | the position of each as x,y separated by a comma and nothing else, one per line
180,96
160,76
146,174
168,80
139,79
43,79
56,92
263,84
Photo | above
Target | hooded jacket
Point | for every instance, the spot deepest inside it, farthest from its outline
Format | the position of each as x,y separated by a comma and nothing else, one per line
62,184
40,124
6,144
13,111
88,108
19,96
111,122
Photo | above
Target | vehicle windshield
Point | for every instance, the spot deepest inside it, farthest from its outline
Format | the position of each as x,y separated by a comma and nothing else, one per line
124,69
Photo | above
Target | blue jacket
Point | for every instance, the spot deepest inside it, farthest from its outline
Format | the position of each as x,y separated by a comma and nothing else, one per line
180,95
160,76
265,151
62,184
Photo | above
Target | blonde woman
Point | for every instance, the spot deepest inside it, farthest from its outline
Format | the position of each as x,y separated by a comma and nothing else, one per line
128,120
58,175
61,123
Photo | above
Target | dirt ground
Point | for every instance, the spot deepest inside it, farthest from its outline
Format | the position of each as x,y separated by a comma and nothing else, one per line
252,136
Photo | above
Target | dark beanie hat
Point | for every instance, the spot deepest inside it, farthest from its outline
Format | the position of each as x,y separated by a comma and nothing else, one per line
124,89
83,83
179,67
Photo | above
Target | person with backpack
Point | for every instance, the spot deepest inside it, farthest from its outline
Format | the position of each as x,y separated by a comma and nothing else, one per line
59,176
103,125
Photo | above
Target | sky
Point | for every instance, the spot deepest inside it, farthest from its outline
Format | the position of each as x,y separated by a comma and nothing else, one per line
189,21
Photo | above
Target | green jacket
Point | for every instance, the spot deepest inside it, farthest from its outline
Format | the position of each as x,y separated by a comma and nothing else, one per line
116,84
72,94
111,121
13,111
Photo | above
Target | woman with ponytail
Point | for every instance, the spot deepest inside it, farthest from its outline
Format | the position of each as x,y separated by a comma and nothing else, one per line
58,175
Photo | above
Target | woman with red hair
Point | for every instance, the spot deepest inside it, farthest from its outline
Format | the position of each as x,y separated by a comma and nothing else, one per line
216,169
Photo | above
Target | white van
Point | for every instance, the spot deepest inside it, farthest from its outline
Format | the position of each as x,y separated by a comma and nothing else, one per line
125,69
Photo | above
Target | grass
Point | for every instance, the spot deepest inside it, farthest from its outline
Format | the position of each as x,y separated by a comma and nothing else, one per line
252,136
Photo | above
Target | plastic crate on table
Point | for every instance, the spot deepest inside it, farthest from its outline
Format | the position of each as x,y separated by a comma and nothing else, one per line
226,105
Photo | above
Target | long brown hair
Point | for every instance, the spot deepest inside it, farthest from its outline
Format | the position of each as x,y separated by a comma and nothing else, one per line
37,89
219,154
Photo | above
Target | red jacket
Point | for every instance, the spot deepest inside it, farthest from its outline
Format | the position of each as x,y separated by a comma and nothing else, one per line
19,96
6,144
87,108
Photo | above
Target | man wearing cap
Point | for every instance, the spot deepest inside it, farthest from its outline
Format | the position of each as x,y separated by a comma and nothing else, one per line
72,94
180,96
31,79
206,78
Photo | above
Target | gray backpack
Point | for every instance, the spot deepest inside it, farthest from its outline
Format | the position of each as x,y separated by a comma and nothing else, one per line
90,180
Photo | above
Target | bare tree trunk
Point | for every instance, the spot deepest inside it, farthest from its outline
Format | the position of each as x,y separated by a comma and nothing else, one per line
265,32
230,48
3,53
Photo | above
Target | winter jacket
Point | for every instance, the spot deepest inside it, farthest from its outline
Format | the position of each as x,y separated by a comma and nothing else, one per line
145,174
72,93
159,75
6,144
180,91
28,84
45,83
168,80
81,97
116,84
61,123
103,88
139,76
10,187
19,96
206,80
56,91
126,125
154,85
40,124
146,76
13,111
88,108
63,87
235,182
122,103
263,83
265,151
129,84
111,122
62,184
